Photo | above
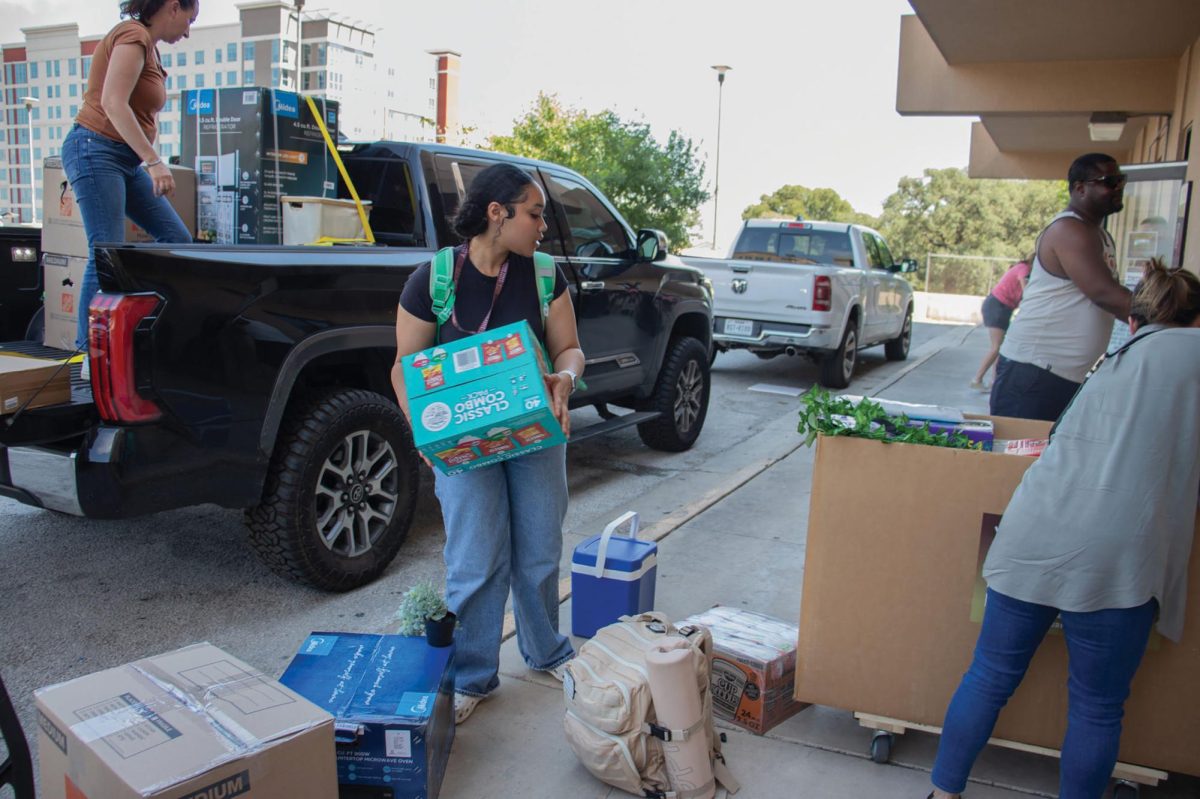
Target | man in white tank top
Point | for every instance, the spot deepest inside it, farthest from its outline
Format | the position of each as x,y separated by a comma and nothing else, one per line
1070,302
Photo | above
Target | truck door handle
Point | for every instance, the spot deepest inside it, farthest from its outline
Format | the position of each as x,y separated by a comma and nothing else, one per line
592,285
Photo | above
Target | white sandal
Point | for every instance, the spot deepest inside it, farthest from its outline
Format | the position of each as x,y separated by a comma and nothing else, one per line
464,706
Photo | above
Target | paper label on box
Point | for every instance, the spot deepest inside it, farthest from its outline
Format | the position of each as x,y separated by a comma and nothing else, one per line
10,403
398,743
125,724
466,360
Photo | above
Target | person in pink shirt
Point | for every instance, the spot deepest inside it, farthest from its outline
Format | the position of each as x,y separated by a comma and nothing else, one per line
998,307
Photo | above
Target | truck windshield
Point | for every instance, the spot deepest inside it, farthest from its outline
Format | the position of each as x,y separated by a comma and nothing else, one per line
795,245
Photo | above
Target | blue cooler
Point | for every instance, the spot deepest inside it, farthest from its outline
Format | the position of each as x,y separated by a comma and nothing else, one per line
611,576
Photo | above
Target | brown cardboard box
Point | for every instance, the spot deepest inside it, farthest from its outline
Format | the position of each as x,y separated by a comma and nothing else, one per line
62,225
63,278
34,380
754,667
192,723
183,201
896,534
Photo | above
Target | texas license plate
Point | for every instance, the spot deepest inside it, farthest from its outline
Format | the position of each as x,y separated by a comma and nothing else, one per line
739,327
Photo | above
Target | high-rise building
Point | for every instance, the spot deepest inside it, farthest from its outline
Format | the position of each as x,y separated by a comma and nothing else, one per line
390,95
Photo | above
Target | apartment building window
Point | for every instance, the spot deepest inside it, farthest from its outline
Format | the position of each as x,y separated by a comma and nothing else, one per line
170,83
248,51
167,128
199,57
37,134
74,90
248,77
274,51
72,67
231,78
182,82
87,66
274,77
32,71
37,154
74,111
199,81
181,60
217,55
231,52
166,60
57,68
220,78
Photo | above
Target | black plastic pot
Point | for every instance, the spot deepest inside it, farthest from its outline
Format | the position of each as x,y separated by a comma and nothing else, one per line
440,632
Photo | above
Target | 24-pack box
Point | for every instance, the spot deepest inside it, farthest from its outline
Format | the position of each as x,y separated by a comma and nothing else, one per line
481,399
250,147
392,696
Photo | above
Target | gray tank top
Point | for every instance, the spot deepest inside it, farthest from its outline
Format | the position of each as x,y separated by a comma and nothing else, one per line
1058,328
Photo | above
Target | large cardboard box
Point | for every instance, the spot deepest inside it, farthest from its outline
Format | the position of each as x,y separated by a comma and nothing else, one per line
393,696
249,147
183,200
188,724
63,279
36,381
753,667
481,399
889,614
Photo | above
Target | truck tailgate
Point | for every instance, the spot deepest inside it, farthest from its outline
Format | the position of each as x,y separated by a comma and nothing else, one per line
760,290
54,422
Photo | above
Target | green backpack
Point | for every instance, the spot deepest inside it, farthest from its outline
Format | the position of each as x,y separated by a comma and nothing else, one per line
441,285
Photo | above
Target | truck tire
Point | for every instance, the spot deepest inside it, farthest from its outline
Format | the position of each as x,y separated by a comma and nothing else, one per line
680,396
837,367
896,349
340,491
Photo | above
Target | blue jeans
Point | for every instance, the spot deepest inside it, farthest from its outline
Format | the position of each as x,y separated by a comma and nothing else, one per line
1105,648
504,529
109,184
1025,391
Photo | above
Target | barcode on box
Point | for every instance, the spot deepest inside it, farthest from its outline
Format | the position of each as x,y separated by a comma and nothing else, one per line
466,360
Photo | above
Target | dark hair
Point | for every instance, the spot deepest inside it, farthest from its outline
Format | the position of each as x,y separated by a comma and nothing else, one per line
500,183
1085,167
143,10
1165,296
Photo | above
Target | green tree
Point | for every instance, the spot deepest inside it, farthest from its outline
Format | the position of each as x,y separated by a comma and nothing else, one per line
945,211
652,185
791,201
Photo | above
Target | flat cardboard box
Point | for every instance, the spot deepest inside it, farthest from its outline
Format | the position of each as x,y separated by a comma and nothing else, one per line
890,592
249,147
190,724
183,200
393,697
753,668
62,275
481,399
36,381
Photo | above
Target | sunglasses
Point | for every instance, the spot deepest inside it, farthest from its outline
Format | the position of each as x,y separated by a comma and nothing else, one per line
1110,181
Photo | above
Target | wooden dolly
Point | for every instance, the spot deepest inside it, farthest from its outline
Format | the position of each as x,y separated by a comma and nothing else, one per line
1128,776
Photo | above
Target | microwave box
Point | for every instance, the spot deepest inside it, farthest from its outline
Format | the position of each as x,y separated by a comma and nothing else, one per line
32,383
192,723
251,147
481,399
393,698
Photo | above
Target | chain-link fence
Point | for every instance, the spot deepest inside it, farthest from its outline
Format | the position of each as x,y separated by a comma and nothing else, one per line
945,273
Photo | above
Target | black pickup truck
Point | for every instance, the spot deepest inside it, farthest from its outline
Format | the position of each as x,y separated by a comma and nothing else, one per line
256,377
20,282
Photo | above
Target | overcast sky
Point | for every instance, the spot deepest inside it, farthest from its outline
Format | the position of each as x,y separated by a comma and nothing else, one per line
811,98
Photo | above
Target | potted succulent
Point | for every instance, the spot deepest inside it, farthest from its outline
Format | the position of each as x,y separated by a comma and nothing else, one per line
423,611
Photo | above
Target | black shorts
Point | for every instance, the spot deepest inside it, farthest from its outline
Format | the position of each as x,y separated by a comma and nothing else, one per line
995,313
1025,391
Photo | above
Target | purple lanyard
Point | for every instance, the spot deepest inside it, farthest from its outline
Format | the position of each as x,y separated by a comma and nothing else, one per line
461,258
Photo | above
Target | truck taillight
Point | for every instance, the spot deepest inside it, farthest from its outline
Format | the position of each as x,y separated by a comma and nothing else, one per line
112,320
822,293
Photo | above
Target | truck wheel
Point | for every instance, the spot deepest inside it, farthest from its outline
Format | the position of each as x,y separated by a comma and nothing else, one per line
896,349
340,491
680,396
837,367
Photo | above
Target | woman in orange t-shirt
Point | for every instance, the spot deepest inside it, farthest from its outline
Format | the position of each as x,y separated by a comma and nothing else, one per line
109,156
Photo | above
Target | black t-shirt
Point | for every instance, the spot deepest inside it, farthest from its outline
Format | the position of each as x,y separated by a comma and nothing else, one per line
473,296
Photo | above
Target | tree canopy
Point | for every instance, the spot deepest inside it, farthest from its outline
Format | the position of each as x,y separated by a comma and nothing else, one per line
791,201
652,185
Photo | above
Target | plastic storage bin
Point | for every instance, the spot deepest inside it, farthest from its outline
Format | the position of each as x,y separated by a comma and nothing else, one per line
306,220
611,576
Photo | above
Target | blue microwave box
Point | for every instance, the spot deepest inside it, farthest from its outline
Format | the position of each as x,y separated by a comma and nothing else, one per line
392,697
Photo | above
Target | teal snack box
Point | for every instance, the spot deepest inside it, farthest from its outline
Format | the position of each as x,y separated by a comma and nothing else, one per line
481,399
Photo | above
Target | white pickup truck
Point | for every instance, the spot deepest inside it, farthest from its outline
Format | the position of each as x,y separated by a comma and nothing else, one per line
819,289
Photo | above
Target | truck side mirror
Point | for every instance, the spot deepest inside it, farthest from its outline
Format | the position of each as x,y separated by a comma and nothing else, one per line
908,265
651,244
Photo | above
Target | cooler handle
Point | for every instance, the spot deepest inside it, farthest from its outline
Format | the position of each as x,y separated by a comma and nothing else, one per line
602,553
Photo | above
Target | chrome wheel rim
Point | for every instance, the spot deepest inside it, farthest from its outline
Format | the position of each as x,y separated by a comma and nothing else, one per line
906,334
689,389
849,355
358,490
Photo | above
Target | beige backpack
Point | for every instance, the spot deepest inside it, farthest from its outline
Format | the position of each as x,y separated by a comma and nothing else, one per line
610,722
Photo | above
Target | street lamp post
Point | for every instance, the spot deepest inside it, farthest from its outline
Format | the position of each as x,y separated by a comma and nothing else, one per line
721,70
30,102
299,43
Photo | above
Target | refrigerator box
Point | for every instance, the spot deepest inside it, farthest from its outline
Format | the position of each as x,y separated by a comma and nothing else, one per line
62,224
754,667
393,698
62,275
481,399
187,724
250,147
36,381
891,610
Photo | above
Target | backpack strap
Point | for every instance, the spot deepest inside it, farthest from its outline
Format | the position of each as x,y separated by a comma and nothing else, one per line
441,287
543,270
